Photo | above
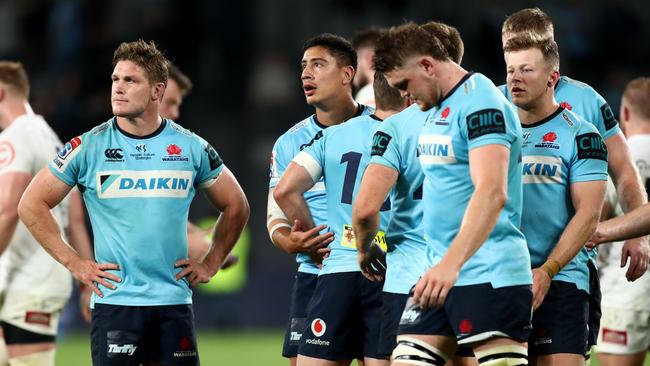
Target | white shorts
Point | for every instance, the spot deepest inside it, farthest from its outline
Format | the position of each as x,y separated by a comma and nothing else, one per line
34,313
623,331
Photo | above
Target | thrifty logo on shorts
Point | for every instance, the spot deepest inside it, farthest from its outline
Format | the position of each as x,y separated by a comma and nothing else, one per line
127,349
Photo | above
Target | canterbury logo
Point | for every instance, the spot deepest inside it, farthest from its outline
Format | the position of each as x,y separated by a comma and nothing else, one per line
113,153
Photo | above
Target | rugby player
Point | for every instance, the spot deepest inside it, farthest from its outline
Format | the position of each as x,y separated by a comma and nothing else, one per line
138,205
328,69
33,287
394,165
469,151
364,44
338,331
565,162
624,336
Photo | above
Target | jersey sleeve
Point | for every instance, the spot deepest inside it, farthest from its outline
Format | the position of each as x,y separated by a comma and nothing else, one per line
488,120
316,147
604,118
280,159
210,164
68,162
589,161
15,156
385,146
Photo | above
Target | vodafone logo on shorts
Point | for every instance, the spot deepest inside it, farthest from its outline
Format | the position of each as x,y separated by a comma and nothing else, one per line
7,153
318,327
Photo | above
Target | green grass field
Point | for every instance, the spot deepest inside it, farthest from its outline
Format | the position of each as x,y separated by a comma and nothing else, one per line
232,348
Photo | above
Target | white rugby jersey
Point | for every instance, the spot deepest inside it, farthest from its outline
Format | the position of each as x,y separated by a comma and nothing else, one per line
26,146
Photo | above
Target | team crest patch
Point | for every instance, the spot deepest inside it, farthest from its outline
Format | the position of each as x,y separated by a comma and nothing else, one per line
591,146
380,143
608,116
484,122
7,153
548,141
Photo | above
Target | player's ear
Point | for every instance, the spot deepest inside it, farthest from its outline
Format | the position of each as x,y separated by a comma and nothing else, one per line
3,92
626,113
158,91
553,79
348,74
426,64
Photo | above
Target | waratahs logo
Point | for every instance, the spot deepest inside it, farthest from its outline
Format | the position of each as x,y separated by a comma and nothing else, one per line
549,137
173,149
174,154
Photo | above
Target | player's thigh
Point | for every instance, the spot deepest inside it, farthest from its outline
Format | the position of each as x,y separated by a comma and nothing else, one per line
370,311
391,312
303,360
560,324
177,336
118,334
634,359
623,331
303,289
560,359
333,330
34,313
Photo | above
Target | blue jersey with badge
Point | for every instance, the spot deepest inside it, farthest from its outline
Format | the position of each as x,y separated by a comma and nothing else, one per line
343,152
138,191
395,146
584,101
558,151
472,115
286,147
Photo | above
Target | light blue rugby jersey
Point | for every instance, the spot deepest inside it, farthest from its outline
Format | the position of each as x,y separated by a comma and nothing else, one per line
583,100
473,114
138,191
285,149
558,151
395,146
343,152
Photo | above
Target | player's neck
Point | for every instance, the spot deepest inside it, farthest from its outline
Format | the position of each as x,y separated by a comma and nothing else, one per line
11,111
537,111
341,110
384,113
142,125
636,127
449,75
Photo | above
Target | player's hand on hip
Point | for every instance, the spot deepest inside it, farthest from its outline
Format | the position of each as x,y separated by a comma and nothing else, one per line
432,288
196,272
595,239
638,251
541,284
373,263
309,240
91,273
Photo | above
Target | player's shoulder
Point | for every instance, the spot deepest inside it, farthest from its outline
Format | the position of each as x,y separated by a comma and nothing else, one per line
478,87
569,85
101,130
299,132
405,118
177,129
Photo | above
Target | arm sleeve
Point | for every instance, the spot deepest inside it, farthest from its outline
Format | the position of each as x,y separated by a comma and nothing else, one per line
589,161
487,121
385,146
67,163
603,118
210,164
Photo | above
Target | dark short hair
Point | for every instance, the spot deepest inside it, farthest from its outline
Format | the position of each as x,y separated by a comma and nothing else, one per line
637,94
386,97
14,76
183,81
145,55
450,38
366,37
340,48
531,20
399,43
547,46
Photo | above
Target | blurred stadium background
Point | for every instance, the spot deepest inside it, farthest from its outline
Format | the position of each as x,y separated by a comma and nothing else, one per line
243,57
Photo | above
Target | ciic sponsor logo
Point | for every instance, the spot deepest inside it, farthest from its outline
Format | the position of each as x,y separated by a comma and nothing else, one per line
548,141
541,169
174,154
114,155
148,183
126,349
318,327
185,348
